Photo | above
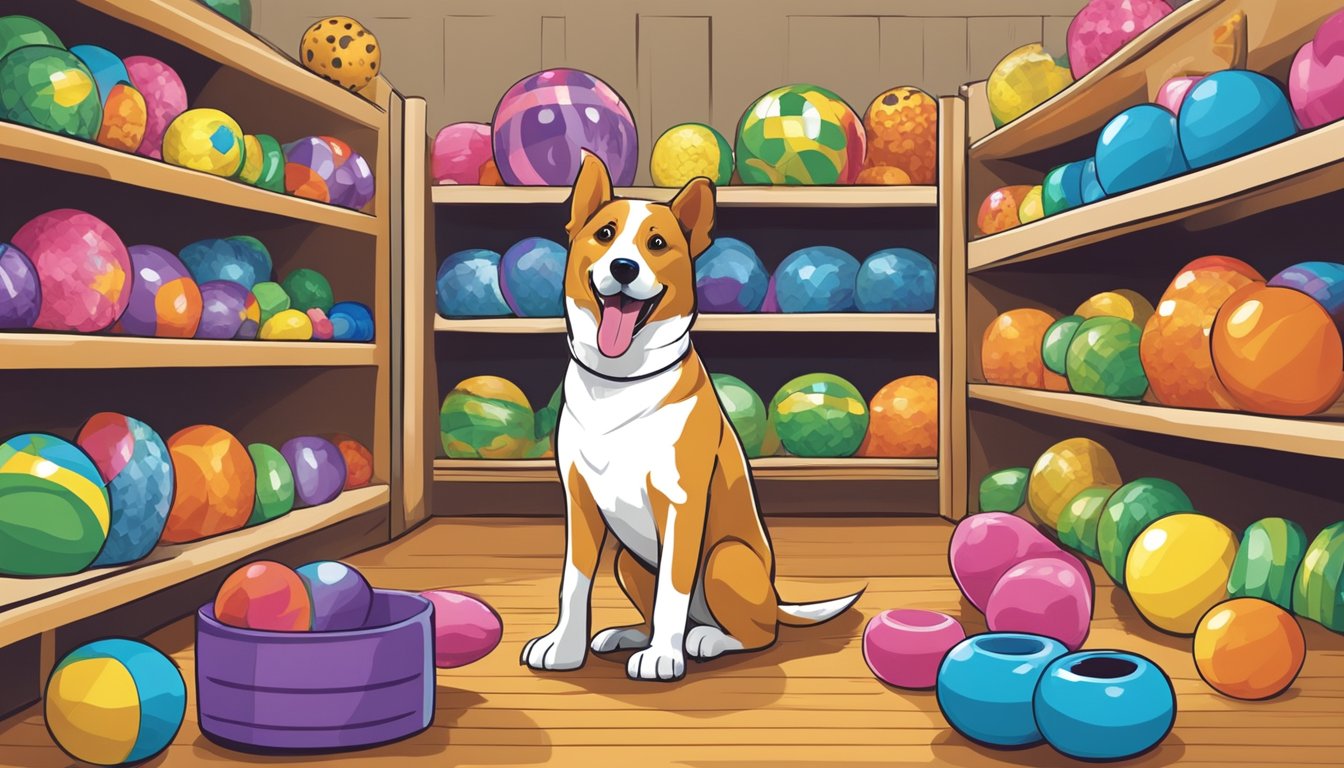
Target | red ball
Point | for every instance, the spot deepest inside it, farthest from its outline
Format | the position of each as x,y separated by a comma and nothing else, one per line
264,595
358,460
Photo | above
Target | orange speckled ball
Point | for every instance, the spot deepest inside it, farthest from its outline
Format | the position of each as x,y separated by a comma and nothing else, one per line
1211,274
1278,351
883,174
1011,352
902,128
358,460
341,50
903,420
214,484
490,176
999,210
1249,648
1178,359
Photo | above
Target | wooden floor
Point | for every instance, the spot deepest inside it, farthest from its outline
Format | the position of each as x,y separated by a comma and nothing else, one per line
809,700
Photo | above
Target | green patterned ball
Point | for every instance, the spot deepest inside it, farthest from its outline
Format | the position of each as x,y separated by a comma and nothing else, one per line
486,417
799,134
50,89
745,410
819,415
308,289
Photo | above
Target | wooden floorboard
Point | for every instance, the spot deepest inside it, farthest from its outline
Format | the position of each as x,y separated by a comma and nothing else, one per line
809,700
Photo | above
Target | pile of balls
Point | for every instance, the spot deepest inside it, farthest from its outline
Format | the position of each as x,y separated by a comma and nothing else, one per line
119,489
67,270
1221,338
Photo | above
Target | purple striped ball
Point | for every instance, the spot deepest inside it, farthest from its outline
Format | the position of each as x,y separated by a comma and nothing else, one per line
546,120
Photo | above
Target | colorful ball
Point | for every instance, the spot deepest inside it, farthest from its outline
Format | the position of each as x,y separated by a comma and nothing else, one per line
21,31
905,647
818,278
986,682
287,325
1032,207
1122,302
204,140
164,299
895,280
903,420
20,290
264,595
114,702
1231,113
545,121
902,130
341,50
83,268
999,211
254,160
318,468
532,277
272,174
688,150
358,460
1004,490
883,175
228,311
798,134
275,484
340,595
1062,188
1178,568
1249,649
745,409
125,115
1024,79
1268,560
237,11
165,98
729,277
819,415
327,170
54,508
1049,595
351,321
486,417
1316,78
240,259
1321,280
134,462
1055,343
1129,510
1079,520
321,324
1103,359
1172,93
49,89
1103,27
105,66
1010,353
1065,470
1139,147
1104,705
1318,589
459,153
308,288
466,630
271,300
215,484
1090,184
984,546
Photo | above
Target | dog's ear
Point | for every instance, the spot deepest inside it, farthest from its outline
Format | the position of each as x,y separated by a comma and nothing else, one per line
592,190
694,208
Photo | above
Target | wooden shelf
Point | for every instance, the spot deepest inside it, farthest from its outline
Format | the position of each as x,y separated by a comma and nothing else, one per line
737,196
191,24
769,468
73,351
1321,435
837,322
32,606
1305,166
27,145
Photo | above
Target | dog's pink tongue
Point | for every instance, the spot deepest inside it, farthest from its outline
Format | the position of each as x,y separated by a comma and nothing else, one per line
617,327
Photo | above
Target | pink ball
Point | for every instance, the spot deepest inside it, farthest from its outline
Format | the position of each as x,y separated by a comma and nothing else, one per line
1103,27
985,545
82,266
1172,92
1316,80
459,151
1050,595
165,99
905,647
465,629
321,324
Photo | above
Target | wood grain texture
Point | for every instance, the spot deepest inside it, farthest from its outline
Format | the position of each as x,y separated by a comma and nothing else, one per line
952,319
66,350
418,386
808,700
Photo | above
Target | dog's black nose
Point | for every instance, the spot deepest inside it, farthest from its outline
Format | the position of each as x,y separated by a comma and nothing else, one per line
624,270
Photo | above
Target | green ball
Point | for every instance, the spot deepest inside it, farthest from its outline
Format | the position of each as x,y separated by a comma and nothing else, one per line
1078,521
237,11
1318,590
745,410
797,134
275,484
486,417
22,31
1004,490
820,415
1133,507
307,288
271,299
546,419
1267,561
50,89
1103,359
272,164
54,507
1055,345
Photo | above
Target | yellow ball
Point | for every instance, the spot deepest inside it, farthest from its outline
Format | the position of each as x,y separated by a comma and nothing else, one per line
1065,470
1177,570
204,140
287,325
689,150
1023,79
1121,302
341,50
1031,208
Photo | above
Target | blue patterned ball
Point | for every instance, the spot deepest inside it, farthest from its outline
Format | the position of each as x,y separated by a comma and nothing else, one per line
468,285
134,461
350,321
729,277
817,279
532,277
895,280
241,259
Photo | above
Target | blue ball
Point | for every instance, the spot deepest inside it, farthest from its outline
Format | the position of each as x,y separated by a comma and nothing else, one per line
1230,113
350,321
340,595
1138,147
895,280
986,682
1104,705
139,472
1321,280
532,277
242,259
1090,184
817,279
729,277
107,68
468,285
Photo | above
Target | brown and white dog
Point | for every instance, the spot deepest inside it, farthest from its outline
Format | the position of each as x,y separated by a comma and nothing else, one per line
646,451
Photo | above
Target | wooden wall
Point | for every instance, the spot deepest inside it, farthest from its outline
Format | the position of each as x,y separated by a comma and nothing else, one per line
701,60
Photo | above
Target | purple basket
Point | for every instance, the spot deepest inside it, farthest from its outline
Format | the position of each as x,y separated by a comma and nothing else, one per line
318,691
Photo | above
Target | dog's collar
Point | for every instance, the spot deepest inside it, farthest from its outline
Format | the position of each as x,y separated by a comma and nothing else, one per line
637,377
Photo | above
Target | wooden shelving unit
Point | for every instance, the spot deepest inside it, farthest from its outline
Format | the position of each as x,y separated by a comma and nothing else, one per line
728,196
25,351
838,322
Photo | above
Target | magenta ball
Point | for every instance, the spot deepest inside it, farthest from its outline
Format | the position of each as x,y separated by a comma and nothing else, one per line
318,468
985,545
1050,595
1316,79
1172,92
466,630
904,647
83,267
165,99
459,151
340,595
1103,27
165,300
20,290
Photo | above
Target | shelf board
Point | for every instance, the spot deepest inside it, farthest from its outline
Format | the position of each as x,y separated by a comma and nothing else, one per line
27,145
191,24
1308,165
1321,435
73,351
822,322
31,606
727,196
768,468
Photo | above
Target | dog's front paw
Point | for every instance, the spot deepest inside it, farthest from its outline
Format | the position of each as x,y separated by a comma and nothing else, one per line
555,651
657,664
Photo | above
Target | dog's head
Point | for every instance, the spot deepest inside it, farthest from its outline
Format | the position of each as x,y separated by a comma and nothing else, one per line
630,279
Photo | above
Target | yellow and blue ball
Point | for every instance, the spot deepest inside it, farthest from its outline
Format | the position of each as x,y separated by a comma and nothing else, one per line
54,509
114,702
204,140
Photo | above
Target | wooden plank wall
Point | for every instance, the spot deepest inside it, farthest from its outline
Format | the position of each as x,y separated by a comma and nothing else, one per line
700,60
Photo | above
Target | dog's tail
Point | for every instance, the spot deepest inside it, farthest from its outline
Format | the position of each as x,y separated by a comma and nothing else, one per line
811,614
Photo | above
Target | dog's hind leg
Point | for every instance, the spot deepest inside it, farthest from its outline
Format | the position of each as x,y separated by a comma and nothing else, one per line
639,584
741,598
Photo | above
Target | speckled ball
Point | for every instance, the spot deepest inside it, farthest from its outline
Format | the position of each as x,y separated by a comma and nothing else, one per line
83,267
817,279
165,98
341,50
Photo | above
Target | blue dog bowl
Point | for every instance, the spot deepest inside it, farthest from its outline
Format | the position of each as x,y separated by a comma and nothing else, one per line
986,682
1104,705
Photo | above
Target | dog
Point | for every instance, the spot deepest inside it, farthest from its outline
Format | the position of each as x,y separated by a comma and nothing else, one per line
646,451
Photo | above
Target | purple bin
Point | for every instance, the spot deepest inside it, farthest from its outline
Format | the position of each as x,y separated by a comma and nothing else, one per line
318,691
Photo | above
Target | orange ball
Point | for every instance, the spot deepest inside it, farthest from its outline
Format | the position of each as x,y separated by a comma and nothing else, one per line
215,483
902,129
999,211
1177,356
1011,351
1249,648
264,595
358,460
490,176
883,174
1278,351
903,420
1211,279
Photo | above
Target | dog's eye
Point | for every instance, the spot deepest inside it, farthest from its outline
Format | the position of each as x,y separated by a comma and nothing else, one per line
657,243
606,234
